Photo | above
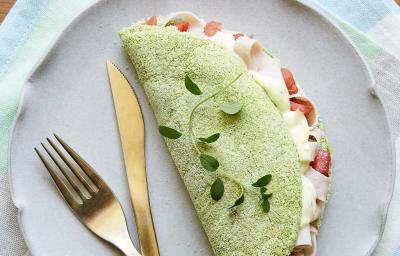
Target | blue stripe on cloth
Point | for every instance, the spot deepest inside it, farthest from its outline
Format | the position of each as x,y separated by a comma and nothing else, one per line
362,14
392,6
16,28
397,252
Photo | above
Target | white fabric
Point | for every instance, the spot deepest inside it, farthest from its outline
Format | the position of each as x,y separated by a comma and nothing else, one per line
387,74
12,242
388,27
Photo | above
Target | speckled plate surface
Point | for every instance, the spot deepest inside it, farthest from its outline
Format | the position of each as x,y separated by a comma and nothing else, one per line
69,94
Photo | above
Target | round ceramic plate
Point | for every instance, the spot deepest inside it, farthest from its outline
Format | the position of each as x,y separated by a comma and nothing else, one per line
69,94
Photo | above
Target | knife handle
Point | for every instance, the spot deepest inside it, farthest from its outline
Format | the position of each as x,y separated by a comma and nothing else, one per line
141,207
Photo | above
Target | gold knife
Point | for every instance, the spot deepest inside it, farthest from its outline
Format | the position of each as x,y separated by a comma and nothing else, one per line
131,131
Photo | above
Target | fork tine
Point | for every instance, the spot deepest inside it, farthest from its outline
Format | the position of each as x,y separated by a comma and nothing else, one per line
89,171
62,169
65,192
73,169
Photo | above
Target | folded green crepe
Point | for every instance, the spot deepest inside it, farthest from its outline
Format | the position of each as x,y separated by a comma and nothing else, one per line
253,143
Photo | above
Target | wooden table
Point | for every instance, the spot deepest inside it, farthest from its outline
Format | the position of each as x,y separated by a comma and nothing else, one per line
5,6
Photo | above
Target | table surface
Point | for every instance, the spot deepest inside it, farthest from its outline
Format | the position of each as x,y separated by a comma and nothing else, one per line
5,6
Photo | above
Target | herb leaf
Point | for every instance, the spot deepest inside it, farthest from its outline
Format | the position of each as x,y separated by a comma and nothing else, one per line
266,196
169,132
232,107
209,163
210,139
265,205
238,202
263,181
191,86
217,189
263,190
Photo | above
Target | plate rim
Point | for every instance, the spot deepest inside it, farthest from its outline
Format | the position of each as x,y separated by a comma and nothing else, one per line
316,10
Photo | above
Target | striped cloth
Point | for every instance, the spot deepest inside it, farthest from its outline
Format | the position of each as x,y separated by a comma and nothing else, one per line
32,25
374,26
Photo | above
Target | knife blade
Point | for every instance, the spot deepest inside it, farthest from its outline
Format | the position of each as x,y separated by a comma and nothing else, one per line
131,131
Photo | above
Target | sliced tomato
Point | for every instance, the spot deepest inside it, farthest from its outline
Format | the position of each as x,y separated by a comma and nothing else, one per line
322,162
301,105
152,21
289,81
237,35
212,27
183,26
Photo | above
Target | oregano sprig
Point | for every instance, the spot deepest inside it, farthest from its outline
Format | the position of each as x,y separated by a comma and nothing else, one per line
263,181
210,139
262,184
191,132
217,189
238,201
231,107
210,163
192,86
169,132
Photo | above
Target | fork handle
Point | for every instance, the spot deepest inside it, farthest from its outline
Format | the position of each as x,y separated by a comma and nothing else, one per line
129,249
133,253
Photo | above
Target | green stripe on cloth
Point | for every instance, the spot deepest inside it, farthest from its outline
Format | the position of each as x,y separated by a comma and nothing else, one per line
45,31
369,49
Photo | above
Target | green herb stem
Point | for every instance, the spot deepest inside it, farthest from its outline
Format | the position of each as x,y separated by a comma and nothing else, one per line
224,175
191,132
268,53
242,187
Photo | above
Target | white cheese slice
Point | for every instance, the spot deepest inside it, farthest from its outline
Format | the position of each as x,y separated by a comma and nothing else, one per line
309,202
275,89
298,128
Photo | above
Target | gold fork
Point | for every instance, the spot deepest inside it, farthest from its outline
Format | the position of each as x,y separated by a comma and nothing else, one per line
95,206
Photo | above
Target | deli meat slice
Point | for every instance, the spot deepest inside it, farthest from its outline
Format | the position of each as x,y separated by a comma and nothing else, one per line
304,239
320,182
